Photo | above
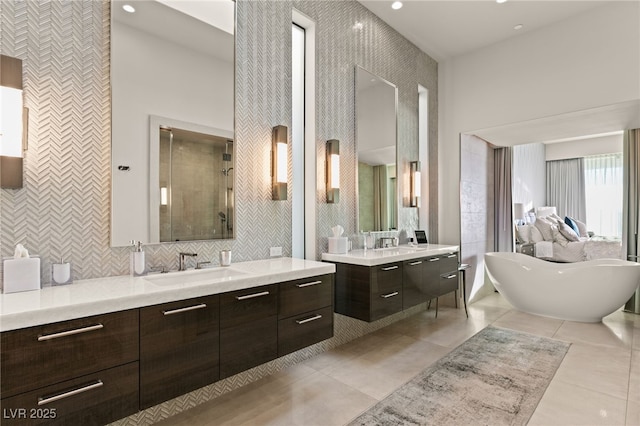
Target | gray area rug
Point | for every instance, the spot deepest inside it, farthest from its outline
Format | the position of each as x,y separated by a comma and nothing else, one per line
497,377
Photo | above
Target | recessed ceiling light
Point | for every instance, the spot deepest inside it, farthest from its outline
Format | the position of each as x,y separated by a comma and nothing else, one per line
501,1
518,27
129,8
396,5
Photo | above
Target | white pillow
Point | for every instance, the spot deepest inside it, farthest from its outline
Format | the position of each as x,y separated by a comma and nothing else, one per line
545,211
567,231
558,237
544,226
523,233
536,236
582,227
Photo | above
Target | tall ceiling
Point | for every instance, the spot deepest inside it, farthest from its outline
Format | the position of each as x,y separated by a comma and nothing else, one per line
447,28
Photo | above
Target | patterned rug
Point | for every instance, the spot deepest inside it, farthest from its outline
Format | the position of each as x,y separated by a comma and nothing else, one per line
497,377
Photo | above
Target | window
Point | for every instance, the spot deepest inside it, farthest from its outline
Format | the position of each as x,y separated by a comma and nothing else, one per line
603,193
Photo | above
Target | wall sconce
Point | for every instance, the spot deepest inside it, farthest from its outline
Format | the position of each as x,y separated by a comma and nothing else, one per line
13,123
279,163
414,183
333,171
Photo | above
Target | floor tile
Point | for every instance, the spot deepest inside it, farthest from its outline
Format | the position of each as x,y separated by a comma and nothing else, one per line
606,333
599,368
534,324
564,404
634,379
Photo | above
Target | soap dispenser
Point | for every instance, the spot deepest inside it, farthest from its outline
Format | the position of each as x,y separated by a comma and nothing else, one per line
137,265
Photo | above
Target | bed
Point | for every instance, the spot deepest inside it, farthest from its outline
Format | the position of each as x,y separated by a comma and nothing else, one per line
555,239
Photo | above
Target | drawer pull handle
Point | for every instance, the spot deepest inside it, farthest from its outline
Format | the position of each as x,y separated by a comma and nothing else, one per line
390,268
188,308
47,399
419,262
451,276
306,320
434,259
452,255
69,332
308,284
251,296
386,296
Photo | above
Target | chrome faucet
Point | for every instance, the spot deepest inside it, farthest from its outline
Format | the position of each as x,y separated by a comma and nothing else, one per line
183,260
384,242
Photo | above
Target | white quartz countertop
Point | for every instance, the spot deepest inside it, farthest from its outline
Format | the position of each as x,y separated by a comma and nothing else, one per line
373,257
111,294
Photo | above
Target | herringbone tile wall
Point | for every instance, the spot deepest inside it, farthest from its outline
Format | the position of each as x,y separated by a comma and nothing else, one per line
64,207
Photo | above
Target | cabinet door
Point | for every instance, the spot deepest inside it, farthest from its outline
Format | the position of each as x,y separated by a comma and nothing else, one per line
432,276
413,283
248,328
448,273
95,399
38,356
179,348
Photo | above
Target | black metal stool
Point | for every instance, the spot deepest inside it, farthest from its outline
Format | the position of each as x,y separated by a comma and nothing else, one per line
463,268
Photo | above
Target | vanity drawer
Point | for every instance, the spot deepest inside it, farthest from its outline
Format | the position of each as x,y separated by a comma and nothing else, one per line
179,348
448,282
384,303
300,296
448,263
95,399
242,306
303,330
43,355
386,278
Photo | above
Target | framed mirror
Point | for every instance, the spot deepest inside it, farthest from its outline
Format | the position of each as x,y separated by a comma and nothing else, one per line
173,59
376,136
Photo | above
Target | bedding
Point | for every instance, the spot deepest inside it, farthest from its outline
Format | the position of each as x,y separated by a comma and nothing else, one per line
558,248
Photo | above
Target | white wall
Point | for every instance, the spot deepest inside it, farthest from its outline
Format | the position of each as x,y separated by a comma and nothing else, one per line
529,175
584,147
585,62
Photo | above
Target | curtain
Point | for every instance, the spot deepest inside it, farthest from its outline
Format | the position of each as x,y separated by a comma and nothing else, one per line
631,204
565,188
603,189
380,209
503,233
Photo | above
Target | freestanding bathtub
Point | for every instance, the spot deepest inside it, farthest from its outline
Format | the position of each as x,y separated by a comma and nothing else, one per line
581,291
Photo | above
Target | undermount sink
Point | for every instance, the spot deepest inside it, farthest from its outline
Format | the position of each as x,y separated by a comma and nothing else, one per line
206,276
401,249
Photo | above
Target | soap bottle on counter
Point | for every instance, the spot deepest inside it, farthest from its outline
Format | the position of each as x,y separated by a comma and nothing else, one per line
138,266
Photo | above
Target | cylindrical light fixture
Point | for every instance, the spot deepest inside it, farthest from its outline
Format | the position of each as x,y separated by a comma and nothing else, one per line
414,183
333,171
279,162
12,122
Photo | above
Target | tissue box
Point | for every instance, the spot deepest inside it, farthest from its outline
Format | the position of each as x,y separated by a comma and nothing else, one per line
338,245
22,274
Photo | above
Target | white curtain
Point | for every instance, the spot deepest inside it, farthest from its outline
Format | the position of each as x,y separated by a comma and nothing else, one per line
603,188
380,208
565,187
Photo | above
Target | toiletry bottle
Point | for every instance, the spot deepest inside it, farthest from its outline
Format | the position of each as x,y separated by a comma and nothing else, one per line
137,264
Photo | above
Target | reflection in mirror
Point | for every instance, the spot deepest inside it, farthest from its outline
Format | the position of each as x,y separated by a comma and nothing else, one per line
376,102
167,59
195,185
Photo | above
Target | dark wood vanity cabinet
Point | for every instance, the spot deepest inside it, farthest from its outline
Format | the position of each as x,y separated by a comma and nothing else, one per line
368,292
305,313
179,348
248,328
82,371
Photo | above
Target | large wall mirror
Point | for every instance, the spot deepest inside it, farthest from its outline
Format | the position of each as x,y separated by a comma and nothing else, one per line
172,61
376,130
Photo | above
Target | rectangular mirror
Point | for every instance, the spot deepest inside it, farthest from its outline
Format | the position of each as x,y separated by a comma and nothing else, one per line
376,129
172,59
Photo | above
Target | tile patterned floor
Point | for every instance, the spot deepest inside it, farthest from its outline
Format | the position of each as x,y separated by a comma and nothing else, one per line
597,383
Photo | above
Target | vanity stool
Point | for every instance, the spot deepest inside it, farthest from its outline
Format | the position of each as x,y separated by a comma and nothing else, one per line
462,268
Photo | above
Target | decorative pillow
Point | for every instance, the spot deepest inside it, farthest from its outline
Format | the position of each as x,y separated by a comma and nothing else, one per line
572,223
582,228
567,232
536,236
544,226
558,237
523,233
554,216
